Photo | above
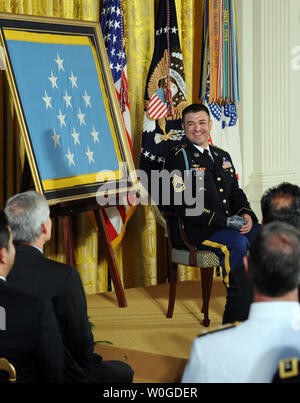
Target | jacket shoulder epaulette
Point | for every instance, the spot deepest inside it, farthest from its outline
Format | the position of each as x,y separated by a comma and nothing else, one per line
177,149
218,329
219,148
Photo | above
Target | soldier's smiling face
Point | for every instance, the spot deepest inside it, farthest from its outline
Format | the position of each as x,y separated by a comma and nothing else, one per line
197,127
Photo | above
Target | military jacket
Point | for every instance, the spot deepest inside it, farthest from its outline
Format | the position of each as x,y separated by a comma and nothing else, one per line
250,351
216,179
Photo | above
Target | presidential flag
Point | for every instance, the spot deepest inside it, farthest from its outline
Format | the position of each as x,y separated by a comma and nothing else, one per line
219,76
112,24
165,93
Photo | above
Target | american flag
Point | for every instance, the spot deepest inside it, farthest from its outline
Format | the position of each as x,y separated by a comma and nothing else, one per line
112,24
157,106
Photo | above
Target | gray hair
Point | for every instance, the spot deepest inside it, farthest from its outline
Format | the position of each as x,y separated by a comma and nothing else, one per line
26,213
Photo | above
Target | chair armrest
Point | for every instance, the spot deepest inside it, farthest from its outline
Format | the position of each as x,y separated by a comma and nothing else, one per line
192,248
7,366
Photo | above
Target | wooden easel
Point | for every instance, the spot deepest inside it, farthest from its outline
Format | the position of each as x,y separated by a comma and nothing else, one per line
68,209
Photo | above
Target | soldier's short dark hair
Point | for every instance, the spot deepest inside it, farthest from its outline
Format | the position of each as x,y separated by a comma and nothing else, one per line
195,108
274,259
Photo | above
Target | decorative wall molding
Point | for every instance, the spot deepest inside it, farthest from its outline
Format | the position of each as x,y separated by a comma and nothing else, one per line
264,60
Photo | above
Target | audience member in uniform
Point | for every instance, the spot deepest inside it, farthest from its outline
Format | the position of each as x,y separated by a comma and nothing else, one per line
33,273
250,351
279,203
227,222
29,334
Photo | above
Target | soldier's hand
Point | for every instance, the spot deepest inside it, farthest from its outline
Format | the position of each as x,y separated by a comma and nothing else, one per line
235,222
247,227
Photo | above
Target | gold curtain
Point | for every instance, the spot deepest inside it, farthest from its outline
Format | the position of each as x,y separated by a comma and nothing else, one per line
140,257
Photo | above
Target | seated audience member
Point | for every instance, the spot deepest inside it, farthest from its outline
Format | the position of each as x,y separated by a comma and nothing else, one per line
205,175
29,335
33,273
250,351
280,203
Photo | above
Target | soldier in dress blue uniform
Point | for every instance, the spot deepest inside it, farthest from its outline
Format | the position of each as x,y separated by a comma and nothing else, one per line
227,222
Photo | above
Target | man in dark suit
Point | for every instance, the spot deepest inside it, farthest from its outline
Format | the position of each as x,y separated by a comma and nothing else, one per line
29,334
226,223
33,273
279,203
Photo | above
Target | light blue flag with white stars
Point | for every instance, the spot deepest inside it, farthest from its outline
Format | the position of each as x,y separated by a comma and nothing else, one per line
63,105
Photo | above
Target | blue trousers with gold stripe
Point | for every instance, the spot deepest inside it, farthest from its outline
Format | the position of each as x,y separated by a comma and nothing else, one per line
230,246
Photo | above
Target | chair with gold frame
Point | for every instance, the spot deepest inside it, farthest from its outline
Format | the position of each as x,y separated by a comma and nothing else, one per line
191,256
9,369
